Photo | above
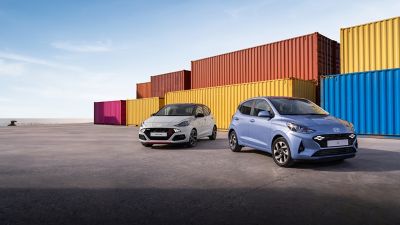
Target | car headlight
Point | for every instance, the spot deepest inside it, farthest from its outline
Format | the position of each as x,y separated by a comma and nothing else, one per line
183,124
142,130
299,128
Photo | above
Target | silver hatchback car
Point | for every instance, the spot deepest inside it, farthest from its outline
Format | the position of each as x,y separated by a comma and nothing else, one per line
291,129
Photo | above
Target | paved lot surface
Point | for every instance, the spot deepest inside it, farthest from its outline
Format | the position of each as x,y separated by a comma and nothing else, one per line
86,174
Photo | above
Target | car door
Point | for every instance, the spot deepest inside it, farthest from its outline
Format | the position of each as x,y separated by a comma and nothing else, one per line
242,121
260,132
200,121
209,121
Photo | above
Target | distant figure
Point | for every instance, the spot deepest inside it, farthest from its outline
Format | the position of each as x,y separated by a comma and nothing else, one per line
12,124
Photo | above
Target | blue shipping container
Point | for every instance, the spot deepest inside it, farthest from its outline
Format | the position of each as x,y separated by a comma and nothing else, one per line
370,100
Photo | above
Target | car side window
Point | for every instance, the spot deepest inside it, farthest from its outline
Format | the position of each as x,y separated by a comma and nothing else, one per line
260,105
199,109
206,110
245,108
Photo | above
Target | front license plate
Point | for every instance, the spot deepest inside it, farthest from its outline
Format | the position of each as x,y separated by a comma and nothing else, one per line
155,134
334,143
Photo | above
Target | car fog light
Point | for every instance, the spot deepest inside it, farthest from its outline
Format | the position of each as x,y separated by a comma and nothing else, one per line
176,130
319,138
352,136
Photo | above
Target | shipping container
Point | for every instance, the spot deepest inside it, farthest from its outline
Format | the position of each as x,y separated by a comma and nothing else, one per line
174,81
110,112
138,110
305,57
369,100
371,46
223,100
143,90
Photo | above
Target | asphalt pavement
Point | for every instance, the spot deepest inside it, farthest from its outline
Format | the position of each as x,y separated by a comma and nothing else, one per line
96,174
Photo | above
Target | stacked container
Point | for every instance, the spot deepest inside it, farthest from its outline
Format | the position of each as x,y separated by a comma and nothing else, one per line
143,90
110,112
367,92
305,57
174,81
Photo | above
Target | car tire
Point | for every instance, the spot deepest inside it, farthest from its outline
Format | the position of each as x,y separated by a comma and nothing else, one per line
147,145
192,139
233,142
281,153
213,136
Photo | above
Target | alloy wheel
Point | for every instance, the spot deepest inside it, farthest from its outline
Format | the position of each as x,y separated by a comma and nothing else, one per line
281,152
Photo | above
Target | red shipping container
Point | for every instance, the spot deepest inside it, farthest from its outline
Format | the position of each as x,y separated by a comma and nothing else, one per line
305,57
143,90
175,81
110,112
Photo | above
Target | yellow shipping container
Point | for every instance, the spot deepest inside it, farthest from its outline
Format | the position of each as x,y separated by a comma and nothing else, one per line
372,46
138,110
223,100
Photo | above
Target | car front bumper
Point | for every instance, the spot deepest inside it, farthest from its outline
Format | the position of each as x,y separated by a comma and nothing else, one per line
173,137
305,147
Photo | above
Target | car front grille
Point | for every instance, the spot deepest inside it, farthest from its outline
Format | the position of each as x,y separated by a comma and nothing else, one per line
328,137
334,151
169,132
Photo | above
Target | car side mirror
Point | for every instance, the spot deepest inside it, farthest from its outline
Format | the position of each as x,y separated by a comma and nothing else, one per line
264,114
200,115
153,114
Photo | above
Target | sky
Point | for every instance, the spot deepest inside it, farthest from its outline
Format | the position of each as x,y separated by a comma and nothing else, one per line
58,57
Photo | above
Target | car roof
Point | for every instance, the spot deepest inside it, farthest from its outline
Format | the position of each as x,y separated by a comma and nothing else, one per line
274,97
187,104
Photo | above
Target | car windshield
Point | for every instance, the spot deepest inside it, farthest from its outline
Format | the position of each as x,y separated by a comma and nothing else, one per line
176,110
289,106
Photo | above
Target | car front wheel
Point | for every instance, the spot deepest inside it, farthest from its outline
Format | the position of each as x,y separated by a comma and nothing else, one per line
192,138
281,153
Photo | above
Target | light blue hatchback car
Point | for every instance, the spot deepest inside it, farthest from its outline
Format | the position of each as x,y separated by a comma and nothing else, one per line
291,129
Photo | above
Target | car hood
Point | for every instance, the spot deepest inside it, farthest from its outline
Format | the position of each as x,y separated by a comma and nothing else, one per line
323,123
165,120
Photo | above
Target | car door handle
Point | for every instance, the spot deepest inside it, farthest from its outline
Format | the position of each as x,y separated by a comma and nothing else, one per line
235,118
252,120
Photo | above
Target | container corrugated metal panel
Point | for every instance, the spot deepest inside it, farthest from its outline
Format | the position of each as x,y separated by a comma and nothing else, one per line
305,57
370,100
372,46
223,100
174,81
110,112
143,90
138,110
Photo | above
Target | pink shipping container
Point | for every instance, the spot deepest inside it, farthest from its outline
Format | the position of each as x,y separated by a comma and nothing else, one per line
174,81
110,112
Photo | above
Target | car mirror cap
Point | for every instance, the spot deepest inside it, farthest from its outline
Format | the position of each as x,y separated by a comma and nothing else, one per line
264,114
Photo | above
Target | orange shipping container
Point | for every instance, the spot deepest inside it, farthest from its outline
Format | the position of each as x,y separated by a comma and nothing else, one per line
175,81
143,90
305,57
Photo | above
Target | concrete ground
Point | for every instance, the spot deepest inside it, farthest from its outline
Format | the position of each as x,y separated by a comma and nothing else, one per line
87,174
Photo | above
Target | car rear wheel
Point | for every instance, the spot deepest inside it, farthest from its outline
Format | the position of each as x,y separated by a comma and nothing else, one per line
147,145
281,153
192,138
233,142
213,136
